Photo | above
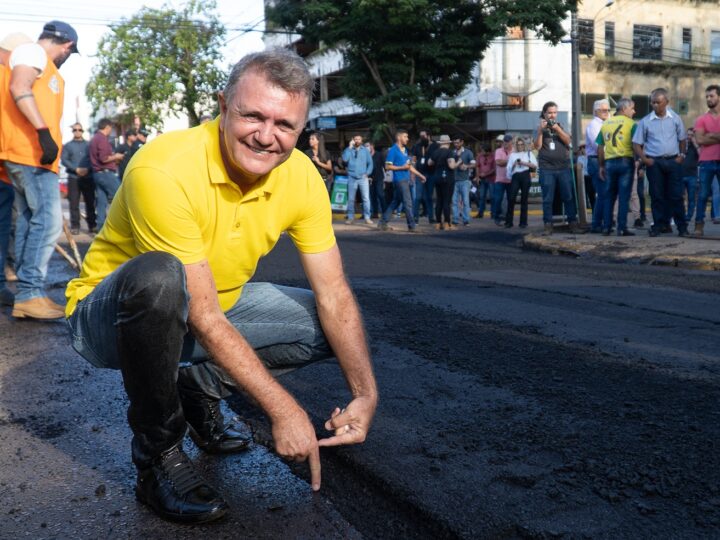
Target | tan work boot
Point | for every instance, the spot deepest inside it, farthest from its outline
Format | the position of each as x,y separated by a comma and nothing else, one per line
38,308
548,230
699,229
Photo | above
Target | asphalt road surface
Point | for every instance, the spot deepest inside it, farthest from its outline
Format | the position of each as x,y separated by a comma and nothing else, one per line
523,395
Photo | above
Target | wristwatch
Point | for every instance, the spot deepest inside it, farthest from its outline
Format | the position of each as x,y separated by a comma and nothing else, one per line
682,155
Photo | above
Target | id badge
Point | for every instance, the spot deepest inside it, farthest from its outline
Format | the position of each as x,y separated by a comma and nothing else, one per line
551,146
422,161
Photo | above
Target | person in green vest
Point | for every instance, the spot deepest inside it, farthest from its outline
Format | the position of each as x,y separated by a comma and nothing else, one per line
615,158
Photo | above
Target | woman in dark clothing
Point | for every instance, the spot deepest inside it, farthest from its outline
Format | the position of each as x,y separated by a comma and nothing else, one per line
320,158
442,160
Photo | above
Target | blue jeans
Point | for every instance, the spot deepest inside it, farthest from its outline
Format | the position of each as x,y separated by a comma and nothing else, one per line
353,185
377,197
708,171
619,180
423,194
601,196
7,196
39,222
690,184
118,324
484,187
462,190
401,195
106,184
562,180
716,199
500,190
666,193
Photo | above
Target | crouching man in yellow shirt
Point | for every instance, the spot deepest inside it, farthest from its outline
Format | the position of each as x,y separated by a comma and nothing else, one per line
164,295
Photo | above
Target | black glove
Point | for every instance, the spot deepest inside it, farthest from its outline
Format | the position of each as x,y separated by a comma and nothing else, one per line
49,148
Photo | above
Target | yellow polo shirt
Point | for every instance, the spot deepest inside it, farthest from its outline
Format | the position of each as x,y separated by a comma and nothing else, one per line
176,197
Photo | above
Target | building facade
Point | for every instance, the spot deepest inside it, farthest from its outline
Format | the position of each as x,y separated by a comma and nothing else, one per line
630,47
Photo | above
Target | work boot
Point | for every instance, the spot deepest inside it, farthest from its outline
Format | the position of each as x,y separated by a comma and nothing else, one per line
699,229
206,422
173,489
548,230
38,308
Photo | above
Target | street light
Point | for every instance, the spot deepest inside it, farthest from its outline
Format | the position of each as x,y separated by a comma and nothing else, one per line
576,108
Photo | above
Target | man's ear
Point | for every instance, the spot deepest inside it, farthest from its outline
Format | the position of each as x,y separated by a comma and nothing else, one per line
222,103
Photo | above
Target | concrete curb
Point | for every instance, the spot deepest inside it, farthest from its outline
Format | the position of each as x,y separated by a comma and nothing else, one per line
676,252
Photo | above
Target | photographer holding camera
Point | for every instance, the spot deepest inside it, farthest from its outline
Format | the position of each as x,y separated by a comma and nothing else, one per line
553,145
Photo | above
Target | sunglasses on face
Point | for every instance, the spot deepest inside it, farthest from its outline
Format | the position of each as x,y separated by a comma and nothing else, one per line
78,130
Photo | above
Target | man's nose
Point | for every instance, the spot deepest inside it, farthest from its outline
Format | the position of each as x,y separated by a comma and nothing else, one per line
265,134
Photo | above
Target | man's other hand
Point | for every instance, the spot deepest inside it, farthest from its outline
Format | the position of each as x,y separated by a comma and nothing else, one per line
351,425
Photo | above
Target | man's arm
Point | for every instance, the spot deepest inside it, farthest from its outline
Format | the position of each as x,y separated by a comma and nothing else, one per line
292,430
21,82
342,323
564,137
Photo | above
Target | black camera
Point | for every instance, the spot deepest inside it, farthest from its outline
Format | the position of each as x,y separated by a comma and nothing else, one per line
551,123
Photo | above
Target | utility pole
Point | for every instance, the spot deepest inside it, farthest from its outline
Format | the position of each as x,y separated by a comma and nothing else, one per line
577,113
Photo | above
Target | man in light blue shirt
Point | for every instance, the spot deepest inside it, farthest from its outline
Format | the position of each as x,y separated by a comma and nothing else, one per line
601,112
660,141
359,166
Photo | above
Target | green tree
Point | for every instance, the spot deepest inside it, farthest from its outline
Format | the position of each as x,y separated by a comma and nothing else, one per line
161,61
401,55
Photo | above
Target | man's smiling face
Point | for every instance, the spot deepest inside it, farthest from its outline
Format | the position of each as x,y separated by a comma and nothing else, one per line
259,127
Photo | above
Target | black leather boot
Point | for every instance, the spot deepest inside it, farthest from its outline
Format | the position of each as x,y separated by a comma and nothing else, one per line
205,420
173,489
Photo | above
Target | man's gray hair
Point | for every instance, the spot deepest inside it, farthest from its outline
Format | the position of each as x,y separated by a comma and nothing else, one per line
599,103
282,67
624,102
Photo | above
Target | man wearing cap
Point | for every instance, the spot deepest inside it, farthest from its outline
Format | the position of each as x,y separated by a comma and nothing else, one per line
501,188
601,112
131,135
31,105
76,160
104,164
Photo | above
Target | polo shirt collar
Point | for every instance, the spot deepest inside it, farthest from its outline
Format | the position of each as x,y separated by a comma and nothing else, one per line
216,168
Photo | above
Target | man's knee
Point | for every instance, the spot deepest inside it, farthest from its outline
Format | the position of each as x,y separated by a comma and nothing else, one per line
157,280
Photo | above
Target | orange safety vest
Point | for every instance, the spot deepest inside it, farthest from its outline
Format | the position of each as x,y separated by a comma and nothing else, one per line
18,138
4,72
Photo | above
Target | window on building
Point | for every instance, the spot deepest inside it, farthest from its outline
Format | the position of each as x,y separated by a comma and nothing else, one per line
647,42
642,105
586,37
715,47
687,44
587,101
609,39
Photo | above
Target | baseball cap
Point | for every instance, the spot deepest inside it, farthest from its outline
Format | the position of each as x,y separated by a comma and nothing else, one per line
507,138
64,31
144,132
499,137
14,39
